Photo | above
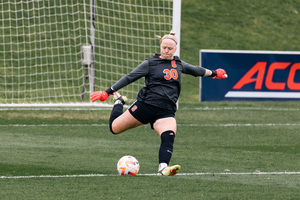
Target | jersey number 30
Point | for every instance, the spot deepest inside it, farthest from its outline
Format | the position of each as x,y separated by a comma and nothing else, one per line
170,74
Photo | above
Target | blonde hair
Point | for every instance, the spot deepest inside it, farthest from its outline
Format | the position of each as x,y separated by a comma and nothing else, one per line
170,36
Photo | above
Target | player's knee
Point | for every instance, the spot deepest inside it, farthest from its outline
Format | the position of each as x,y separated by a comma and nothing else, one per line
114,129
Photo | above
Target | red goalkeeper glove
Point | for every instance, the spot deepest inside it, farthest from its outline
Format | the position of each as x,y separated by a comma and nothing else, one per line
221,74
101,95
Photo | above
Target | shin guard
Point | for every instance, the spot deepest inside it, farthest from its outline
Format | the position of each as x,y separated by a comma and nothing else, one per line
166,147
115,113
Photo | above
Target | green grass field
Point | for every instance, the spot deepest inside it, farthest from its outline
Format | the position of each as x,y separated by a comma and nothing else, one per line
228,150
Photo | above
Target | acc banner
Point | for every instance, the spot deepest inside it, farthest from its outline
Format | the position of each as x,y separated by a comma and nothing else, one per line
252,75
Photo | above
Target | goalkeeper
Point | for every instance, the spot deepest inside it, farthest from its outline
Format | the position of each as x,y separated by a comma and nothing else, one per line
156,102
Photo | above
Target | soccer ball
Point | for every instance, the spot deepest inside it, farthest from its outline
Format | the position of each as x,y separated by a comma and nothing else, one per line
128,165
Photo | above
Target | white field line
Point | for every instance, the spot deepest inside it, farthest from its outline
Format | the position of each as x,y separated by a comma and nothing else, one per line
180,174
53,109
243,108
230,125
109,108
50,125
189,125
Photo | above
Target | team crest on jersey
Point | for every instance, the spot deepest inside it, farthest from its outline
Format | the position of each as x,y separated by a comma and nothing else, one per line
134,108
173,63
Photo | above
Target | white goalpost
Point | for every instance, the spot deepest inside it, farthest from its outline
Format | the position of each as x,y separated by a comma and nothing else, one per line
57,52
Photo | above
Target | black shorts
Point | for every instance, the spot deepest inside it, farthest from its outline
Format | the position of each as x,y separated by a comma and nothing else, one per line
146,113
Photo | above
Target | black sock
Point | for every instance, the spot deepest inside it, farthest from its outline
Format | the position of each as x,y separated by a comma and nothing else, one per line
116,112
166,147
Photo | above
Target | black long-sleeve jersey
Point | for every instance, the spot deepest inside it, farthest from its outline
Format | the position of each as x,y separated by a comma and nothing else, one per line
162,80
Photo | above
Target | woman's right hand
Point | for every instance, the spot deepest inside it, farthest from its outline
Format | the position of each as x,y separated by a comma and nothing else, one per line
101,95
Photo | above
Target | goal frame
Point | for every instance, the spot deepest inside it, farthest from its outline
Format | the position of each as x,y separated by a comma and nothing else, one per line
90,68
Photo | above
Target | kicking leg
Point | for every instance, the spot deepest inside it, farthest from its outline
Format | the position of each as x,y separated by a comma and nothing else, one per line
124,122
119,121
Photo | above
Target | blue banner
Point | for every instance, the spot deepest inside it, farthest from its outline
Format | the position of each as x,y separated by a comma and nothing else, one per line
252,75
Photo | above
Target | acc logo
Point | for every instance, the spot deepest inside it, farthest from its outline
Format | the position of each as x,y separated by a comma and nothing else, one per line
260,68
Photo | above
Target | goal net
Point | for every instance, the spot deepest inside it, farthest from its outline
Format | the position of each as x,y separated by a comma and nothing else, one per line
41,41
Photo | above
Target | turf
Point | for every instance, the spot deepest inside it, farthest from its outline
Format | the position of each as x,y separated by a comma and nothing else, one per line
227,150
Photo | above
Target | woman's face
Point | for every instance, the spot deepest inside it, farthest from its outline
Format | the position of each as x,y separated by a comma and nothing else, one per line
167,49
